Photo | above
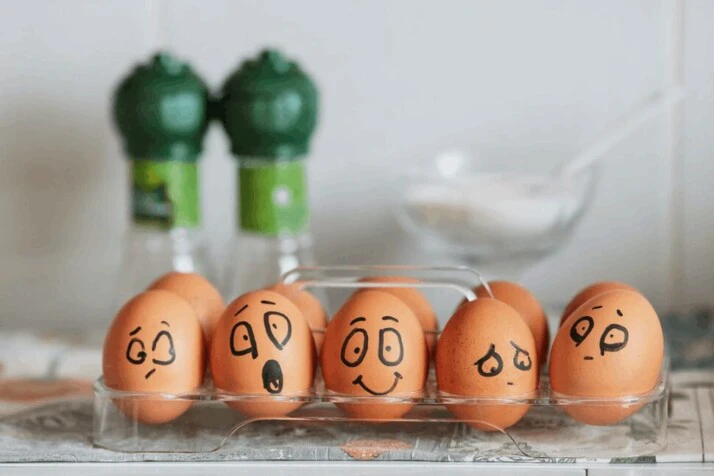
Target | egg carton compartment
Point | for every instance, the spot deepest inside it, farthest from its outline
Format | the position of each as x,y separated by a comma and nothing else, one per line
432,426
320,427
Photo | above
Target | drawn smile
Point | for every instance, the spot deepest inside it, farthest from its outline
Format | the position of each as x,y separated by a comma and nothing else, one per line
397,378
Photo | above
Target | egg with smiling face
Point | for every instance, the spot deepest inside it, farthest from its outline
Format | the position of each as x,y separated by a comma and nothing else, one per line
262,347
610,346
375,347
487,350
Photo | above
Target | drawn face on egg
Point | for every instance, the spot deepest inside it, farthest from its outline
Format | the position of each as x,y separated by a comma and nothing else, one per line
262,345
491,364
389,350
596,341
261,326
375,346
161,352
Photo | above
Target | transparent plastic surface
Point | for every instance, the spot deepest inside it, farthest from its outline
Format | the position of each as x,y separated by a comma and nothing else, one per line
546,432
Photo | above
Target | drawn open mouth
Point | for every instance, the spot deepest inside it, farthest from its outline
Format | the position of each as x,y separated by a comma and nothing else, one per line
272,377
397,378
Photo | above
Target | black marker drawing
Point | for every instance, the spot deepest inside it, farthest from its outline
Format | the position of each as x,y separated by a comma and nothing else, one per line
613,339
597,307
241,310
272,377
581,328
246,340
135,352
389,338
489,370
397,378
268,302
619,313
354,348
520,364
172,352
278,327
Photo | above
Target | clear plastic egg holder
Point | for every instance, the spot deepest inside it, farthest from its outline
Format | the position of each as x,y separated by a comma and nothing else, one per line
545,432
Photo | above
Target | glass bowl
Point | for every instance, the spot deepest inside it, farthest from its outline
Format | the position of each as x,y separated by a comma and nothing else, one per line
491,211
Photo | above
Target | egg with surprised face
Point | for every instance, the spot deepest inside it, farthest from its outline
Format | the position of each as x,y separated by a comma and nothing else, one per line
487,350
155,344
262,346
610,346
375,347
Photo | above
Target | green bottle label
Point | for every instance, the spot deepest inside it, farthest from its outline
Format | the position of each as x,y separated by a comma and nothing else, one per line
273,199
165,194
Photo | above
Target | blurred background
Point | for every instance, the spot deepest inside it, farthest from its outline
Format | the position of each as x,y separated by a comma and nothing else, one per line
399,81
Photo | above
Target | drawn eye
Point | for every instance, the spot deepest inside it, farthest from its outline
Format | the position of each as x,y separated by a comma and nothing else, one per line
521,359
614,338
278,327
163,348
490,364
580,330
243,340
391,351
135,352
354,348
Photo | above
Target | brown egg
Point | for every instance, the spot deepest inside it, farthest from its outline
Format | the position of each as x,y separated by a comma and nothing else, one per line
262,346
200,294
520,299
310,307
415,300
487,350
155,344
375,347
589,293
610,346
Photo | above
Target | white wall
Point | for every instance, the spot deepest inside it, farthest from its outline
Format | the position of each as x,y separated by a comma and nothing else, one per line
398,79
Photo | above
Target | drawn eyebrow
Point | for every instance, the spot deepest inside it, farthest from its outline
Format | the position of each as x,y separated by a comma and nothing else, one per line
135,331
167,324
389,318
597,307
619,313
240,310
357,319
267,302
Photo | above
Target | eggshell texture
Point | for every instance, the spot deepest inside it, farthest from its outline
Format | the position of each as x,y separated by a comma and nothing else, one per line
310,307
530,309
415,300
262,346
610,346
487,350
375,347
155,344
200,294
589,293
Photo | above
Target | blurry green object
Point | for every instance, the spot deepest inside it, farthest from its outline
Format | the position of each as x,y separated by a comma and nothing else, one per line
690,339
269,109
161,110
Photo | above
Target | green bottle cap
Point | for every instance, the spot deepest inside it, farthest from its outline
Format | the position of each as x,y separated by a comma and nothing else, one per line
269,108
160,109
